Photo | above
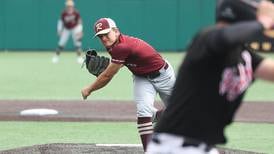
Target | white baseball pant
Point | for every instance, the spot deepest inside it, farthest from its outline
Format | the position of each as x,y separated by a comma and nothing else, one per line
76,33
145,90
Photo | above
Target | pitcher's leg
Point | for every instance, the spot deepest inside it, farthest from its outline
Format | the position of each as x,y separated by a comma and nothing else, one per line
157,115
145,129
164,83
144,94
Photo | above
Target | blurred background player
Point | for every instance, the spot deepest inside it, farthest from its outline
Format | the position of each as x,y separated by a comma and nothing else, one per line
70,23
217,71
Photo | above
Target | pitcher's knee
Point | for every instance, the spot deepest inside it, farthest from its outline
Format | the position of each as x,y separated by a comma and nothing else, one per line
145,111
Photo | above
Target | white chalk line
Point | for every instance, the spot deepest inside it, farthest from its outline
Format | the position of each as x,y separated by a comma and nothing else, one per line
119,145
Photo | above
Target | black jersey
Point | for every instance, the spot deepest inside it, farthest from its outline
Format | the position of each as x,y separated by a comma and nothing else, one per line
211,82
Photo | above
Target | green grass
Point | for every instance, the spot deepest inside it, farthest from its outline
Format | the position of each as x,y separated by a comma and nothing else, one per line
19,134
251,137
31,75
245,136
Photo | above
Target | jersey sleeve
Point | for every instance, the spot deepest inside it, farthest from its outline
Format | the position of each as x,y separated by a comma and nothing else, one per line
224,39
120,53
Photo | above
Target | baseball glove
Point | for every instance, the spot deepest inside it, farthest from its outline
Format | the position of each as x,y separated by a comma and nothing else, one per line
95,64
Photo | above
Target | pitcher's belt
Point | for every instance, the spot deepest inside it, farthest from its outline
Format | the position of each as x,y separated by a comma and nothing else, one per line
154,74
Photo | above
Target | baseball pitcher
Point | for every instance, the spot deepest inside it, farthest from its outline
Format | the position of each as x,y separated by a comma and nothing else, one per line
151,73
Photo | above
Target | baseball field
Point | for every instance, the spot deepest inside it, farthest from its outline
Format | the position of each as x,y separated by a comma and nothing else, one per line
29,81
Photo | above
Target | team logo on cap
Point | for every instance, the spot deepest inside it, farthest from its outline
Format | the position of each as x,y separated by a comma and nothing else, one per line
227,12
98,26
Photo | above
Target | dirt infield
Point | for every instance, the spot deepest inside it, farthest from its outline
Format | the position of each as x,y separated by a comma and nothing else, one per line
68,148
259,112
112,111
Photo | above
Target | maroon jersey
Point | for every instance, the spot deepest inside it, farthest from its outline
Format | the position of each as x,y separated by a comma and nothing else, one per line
70,20
137,55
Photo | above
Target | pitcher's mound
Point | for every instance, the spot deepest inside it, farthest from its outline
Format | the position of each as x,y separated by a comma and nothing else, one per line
72,148
69,148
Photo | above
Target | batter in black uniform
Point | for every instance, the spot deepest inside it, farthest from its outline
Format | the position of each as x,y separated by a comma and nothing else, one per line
212,80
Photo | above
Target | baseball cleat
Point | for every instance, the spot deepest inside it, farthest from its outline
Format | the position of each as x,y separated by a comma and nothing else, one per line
55,59
80,60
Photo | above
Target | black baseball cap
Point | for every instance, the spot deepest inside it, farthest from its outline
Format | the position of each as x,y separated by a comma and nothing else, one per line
232,11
